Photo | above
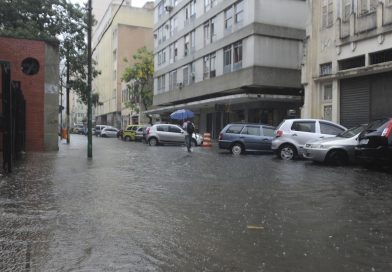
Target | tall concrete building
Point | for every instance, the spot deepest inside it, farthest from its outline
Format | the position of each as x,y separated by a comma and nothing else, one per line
122,30
229,60
348,63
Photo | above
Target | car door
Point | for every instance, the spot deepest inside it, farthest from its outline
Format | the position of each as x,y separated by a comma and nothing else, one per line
303,132
328,130
162,133
268,134
251,137
177,135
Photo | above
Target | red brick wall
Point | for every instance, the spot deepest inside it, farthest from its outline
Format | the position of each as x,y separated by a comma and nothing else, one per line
33,87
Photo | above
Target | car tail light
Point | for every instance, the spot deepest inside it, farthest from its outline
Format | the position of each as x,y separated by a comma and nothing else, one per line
221,136
279,133
387,130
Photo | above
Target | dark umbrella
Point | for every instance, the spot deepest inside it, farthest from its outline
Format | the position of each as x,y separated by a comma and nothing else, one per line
182,114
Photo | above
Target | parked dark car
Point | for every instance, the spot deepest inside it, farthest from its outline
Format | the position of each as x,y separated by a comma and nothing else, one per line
375,142
239,138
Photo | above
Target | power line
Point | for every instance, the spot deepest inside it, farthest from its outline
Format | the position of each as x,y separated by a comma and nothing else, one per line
107,28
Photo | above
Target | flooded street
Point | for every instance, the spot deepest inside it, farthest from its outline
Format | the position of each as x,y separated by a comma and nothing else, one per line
141,208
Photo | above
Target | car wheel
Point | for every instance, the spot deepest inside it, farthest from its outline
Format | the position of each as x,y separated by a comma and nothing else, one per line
287,152
337,157
193,143
127,138
237,149
153,141
104,135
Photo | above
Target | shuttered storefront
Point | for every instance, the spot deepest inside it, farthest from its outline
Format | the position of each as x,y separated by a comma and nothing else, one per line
365,98
354,101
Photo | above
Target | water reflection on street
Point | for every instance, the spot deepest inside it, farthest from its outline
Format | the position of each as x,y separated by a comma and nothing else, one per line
141,208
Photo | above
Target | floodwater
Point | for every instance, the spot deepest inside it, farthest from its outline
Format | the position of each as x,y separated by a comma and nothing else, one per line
139,208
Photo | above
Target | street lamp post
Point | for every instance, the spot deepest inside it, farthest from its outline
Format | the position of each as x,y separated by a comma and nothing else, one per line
89,79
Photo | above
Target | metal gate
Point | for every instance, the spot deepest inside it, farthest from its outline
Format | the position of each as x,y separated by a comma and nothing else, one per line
354,101
13,117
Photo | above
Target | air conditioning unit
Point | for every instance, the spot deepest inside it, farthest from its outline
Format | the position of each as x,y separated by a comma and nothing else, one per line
168,8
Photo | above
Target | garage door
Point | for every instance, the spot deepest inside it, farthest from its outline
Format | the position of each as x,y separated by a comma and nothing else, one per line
381,96
354,101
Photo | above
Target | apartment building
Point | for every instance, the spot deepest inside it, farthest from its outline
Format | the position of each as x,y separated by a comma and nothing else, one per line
122,30
347,69
77,109
229,60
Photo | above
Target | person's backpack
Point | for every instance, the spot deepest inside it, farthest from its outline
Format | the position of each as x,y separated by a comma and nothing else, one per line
190,128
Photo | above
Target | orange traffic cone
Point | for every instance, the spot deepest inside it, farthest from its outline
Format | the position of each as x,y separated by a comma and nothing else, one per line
206,140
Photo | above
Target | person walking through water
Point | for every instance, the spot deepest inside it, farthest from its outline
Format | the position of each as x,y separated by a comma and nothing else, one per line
189,128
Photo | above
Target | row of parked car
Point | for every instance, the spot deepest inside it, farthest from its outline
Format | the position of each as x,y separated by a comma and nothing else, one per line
158,134
317,140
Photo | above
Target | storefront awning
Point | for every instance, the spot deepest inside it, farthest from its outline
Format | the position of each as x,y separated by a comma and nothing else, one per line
230,99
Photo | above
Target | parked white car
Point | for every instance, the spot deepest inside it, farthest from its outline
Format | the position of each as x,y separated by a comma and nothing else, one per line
109,132
292,135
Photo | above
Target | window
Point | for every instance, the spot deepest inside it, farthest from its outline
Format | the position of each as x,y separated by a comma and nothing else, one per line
228,19
209,31
162,128
239,12
193,73
173,80
326,69
206,67
327,13
159,58
366,6
175,51
206,33
327,93
234,129
326,128
193,10
269,132
185,75
381,56
351,63
193,40
237,47
174,129
346,10
161,83
209,66
227,59
160,9
186,45
304,126
171,53
212,65
251,130
208,4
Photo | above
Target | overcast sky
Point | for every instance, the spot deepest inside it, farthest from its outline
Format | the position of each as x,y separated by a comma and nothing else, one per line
136,3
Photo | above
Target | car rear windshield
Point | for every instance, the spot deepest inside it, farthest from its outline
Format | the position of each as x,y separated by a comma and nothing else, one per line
351,132
379,124
234,129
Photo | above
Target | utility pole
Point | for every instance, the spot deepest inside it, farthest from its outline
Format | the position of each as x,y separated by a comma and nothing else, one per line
89,80
68,89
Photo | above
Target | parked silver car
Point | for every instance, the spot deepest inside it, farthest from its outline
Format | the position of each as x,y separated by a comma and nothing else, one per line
109,132
292,135
339,150
170,134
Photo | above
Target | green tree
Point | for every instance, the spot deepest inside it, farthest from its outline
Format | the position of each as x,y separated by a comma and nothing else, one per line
139,78
52,20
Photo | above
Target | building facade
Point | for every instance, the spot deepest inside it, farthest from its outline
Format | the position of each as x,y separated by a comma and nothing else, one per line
229,60
122,30
34,64
348,61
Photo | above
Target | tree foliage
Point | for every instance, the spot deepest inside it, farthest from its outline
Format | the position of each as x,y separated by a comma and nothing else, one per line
139,78
52,20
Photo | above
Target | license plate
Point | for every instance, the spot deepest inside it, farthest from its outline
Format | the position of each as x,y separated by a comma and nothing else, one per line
363,141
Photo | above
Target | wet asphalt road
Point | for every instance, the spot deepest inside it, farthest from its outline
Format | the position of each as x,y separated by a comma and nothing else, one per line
140,208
